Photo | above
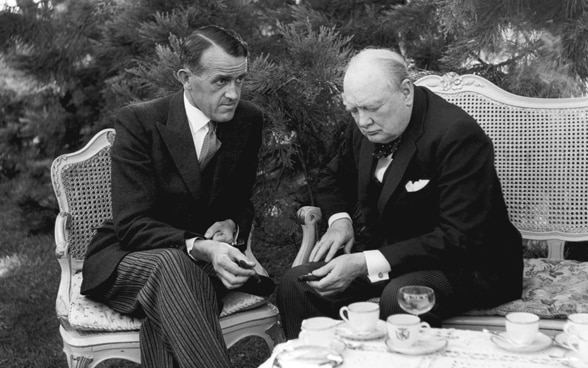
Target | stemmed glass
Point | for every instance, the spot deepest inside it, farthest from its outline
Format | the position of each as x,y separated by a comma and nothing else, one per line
416,299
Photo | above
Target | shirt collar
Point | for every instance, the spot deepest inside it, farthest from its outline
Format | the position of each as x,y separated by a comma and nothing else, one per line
196,118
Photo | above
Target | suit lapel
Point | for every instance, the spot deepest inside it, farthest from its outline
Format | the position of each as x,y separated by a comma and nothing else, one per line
177,137
406,149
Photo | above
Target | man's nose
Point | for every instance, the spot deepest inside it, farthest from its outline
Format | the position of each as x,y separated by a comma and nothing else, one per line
363,119
233,90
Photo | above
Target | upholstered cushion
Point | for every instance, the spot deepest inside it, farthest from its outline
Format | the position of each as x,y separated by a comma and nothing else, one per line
551,289
86,314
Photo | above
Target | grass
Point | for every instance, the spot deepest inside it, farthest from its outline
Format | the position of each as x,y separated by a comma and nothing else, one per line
29,276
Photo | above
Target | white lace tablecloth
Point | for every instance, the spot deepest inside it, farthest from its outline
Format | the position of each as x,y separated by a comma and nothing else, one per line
465,349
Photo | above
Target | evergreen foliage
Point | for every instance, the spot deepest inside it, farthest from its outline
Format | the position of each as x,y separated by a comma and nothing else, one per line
90,57
529,47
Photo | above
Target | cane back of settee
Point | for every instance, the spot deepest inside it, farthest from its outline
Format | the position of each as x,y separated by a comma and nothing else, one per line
84,195
541,155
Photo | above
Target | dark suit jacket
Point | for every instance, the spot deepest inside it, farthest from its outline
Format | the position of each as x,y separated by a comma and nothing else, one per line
457,222
160,197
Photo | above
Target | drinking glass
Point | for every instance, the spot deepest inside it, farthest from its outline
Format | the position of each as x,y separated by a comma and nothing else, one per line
416,299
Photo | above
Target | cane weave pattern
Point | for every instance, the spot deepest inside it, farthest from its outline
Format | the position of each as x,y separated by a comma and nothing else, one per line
542,161
541,151
87,188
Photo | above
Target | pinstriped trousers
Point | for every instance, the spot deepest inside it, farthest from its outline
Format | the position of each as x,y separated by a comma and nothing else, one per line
181,306
298,301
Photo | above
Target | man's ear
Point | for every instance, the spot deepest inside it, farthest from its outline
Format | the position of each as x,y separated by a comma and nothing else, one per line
407,89
183,76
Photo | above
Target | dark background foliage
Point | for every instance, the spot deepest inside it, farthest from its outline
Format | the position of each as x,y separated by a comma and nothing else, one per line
86,58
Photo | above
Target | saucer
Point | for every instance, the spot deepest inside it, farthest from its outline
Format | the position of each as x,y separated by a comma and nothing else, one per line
423,346
346,331
541,342
562,340
308,356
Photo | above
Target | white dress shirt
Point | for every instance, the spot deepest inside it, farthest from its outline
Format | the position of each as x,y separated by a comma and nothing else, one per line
198,124
377,265
199,128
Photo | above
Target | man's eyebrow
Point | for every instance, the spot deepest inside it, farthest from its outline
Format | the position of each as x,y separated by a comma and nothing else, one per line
227,75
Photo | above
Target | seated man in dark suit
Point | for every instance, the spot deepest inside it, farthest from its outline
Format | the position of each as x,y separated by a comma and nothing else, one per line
419,173
183,168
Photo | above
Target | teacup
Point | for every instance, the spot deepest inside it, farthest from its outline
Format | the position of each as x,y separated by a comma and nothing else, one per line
404,329
522,327
318,331
361,316
579,343
576,323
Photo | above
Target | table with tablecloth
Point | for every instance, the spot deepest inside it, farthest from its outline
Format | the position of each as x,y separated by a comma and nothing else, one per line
464,349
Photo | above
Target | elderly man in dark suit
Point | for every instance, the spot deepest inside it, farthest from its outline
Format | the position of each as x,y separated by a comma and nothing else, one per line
183,168
415,176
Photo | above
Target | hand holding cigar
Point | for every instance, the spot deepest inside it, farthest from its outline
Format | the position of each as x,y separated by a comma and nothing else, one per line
246,265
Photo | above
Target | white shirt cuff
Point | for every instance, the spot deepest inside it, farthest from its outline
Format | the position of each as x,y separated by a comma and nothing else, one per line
235,233
337,216
189,246
377,265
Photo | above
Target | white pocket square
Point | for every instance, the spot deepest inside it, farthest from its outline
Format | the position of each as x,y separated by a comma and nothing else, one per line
415,186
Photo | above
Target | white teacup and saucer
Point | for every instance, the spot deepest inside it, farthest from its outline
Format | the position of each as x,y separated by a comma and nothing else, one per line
522,334
320,331
408,335
316,346
576,323
361,321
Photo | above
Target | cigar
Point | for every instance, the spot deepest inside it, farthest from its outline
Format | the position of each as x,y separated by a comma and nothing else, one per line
244,264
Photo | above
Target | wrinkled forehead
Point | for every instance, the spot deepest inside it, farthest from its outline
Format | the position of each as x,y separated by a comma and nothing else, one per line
216,61
364,85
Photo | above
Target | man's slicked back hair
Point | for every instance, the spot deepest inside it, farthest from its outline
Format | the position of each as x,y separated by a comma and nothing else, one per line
206,37
390,60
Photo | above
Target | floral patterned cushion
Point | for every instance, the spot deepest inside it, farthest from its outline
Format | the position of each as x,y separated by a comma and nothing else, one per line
551,289
86,314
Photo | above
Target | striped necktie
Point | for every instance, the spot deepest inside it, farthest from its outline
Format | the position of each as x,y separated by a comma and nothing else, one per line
210,145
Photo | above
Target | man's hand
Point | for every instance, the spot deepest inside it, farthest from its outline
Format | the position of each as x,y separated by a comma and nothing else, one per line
338,235
225,259
339,273
222,231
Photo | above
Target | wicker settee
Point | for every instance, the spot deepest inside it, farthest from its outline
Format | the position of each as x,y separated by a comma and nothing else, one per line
542,161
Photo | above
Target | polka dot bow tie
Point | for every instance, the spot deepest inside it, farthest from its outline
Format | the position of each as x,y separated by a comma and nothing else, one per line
387,149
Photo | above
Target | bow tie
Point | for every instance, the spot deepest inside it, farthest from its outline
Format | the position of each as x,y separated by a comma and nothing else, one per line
387,149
